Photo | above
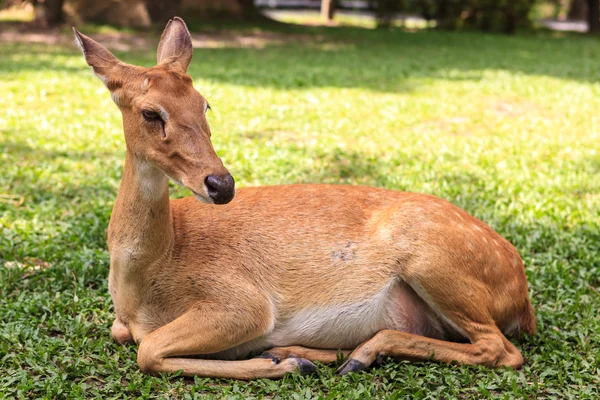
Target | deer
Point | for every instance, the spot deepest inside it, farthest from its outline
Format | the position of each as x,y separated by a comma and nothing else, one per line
262,281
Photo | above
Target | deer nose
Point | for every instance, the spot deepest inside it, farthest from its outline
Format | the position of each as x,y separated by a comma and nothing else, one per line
220,188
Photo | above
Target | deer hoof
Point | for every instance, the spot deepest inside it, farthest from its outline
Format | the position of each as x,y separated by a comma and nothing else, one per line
351,365
304,366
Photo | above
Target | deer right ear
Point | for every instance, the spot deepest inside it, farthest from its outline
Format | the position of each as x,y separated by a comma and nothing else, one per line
102,61
175,45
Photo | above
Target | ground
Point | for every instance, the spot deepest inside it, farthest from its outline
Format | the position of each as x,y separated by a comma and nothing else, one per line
506,127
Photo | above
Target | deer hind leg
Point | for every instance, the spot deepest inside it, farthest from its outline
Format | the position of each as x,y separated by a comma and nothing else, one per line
207,330
462,302
321,355
491,350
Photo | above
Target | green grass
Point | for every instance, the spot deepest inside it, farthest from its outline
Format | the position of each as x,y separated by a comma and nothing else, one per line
506,127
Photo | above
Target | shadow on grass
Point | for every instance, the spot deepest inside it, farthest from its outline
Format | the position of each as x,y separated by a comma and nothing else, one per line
21,151
392,61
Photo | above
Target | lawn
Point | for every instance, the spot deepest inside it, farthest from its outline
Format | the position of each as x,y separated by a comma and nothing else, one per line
506,127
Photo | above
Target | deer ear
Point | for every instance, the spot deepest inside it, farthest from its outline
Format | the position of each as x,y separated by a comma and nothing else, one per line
175,45
102,61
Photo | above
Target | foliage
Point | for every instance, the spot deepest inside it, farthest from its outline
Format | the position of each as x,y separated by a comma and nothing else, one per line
485,15
505,127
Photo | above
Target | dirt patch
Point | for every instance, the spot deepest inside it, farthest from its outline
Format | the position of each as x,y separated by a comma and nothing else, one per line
117,41
510,108
250,40
453,126
30,266
122,41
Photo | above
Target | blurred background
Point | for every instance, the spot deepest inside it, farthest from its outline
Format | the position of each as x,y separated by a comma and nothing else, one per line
485,15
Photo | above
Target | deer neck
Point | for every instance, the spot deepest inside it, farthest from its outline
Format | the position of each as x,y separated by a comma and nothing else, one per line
140,232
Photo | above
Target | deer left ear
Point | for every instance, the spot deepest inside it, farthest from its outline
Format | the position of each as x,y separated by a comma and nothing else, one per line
175,45
102,61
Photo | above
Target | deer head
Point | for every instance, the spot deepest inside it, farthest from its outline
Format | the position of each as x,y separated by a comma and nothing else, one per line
164,117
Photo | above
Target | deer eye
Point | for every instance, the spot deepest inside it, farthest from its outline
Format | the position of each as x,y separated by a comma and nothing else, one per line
150,115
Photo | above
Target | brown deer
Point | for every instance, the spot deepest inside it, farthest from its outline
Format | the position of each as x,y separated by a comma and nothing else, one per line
300,273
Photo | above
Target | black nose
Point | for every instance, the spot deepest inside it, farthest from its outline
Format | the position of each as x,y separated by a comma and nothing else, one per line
220,188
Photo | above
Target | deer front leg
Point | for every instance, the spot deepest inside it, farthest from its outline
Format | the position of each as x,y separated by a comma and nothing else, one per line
320,355
207,330
121,333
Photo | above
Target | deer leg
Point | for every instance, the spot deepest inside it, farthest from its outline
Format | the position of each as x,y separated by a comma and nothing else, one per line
120,332
320,355
206,331
491,350
463,302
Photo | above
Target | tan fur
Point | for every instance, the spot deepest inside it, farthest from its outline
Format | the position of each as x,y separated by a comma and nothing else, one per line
291,267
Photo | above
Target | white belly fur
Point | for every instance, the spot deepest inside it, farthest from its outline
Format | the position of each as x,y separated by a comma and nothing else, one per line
346,326
341,326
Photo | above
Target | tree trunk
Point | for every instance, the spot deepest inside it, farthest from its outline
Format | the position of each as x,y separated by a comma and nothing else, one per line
327,10
229,9
578,10
248,9
161,11
132,13
385,12
49,12
447,15
594,16
511,19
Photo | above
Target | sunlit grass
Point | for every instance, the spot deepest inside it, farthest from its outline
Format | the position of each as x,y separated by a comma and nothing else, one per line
506,127
21,13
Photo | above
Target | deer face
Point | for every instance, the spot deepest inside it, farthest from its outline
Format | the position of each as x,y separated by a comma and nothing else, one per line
164,117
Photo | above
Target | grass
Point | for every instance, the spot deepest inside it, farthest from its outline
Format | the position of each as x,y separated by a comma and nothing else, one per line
506,127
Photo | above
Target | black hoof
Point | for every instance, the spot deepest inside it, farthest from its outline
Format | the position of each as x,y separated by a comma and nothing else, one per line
351,365
305,366
270,356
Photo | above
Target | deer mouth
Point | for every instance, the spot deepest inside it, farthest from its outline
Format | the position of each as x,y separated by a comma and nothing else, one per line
209,193
203,198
